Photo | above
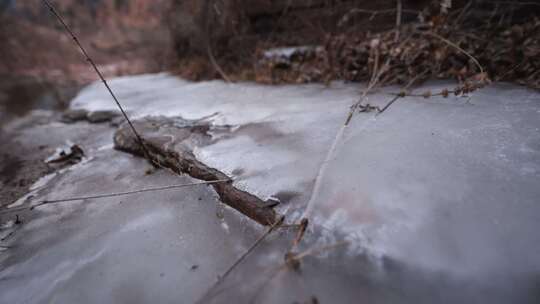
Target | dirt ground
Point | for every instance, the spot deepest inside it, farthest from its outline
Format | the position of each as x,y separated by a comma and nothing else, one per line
36,86
25,105
20,167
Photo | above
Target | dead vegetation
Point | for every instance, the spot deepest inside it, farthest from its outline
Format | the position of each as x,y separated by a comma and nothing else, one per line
428,50
418,39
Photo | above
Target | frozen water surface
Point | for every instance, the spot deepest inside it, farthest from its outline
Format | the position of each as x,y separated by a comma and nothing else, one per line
438,199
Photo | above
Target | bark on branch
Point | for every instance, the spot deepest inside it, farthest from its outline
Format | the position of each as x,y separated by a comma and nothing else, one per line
170,146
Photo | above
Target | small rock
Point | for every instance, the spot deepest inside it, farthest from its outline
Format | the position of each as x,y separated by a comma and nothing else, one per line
71,116
117,121
101,116
150,171
22,182
70,153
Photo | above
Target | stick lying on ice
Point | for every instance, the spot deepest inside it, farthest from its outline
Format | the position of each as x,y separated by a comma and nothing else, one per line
169,143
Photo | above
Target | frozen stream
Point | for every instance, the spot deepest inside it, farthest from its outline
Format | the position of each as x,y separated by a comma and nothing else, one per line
438,199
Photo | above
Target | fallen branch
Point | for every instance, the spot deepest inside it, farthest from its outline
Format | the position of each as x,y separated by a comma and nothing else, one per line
172,150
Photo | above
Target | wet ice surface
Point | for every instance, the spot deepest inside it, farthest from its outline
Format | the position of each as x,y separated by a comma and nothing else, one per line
438,197
130,249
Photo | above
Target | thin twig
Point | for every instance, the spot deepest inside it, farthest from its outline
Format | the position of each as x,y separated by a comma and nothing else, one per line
329,156
501,77
457,47
11,233
403,91
250,249
375,79
317,250
373,13
296,260
462,14
213,60
398,19
12,210
98,72
375,72
266,282
466,88
396,97
516,3
47,202
222,277
300,234
216,65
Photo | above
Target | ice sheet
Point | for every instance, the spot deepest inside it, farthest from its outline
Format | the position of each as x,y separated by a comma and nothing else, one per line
438,197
